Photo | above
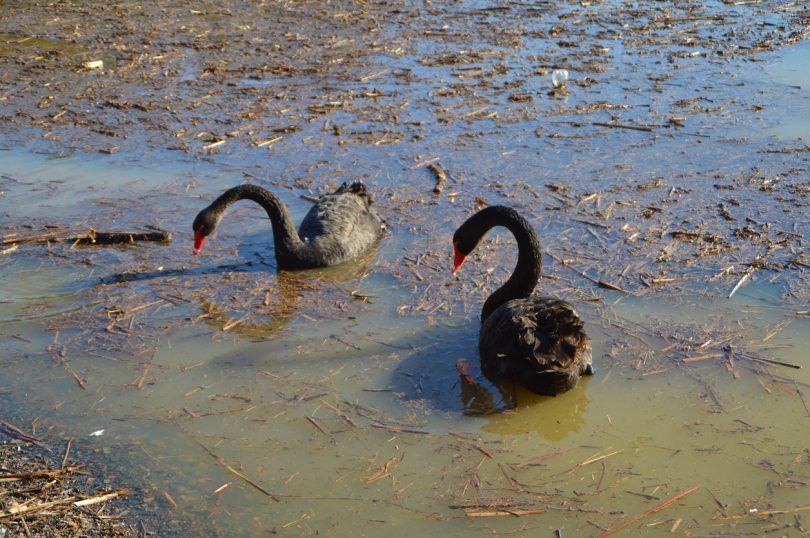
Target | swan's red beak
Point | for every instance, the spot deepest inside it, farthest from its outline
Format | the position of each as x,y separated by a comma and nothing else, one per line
199,239
458,258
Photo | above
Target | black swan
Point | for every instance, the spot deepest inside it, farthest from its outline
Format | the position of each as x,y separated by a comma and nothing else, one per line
538,341
339,227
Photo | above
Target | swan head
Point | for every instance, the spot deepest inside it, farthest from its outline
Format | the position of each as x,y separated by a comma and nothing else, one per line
458,258
472,231
204,224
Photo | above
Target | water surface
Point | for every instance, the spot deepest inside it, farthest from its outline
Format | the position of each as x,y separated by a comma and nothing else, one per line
335,394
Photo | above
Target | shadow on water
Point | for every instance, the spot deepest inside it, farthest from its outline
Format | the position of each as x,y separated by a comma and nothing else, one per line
244,267
445,375
264,262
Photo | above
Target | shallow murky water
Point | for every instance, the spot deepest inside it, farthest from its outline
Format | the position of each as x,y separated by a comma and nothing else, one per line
792,75
356,420
237,400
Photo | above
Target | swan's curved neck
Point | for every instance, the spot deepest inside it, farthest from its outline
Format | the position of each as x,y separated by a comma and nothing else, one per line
287,242
527,270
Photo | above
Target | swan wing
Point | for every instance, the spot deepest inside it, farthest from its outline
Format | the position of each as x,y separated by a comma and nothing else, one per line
343,223
539,341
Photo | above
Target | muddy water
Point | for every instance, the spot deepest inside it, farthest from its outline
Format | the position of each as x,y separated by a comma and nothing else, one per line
335,395
298,411
792,75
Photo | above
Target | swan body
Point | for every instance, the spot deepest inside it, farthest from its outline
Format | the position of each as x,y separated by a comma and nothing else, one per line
341,226
538,341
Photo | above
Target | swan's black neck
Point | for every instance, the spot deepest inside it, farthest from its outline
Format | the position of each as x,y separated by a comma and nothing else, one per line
527,271
288,244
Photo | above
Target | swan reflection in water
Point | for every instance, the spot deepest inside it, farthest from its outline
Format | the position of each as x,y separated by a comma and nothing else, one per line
510,409
266,304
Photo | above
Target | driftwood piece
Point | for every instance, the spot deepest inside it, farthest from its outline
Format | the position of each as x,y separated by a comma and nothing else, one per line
91,237
114,238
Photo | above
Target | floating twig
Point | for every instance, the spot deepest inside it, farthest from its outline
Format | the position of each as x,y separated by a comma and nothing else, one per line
374,75
645,128
382,472
740,282
649,512
762,513
597,457
170,499
91,237
600,283
441,177
424,163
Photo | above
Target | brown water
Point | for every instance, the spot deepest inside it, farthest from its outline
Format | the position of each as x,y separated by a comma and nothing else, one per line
296,413
336,392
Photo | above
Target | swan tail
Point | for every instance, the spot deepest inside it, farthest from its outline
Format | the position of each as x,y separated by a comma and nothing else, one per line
356,188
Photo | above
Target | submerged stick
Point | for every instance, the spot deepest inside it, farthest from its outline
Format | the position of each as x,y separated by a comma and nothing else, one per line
67,453
751,357
649,512
13,431
496,513
237,473
801,397
61,356
397,429
317,425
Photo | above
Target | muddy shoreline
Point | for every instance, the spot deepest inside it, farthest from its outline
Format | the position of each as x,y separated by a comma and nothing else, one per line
50,494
